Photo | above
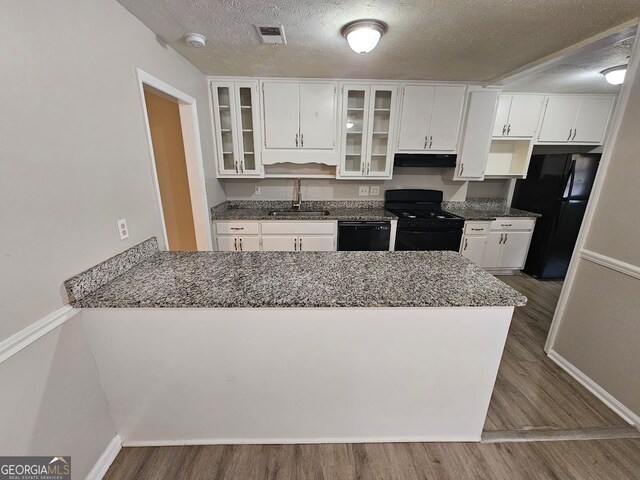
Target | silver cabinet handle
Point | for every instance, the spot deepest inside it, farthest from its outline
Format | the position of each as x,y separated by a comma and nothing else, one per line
236,164
575,130
570,132
302,140
300,244
466,240
235,244
501,238
504,129
461,168
430,141
295,245
426,141
362,169
508,129
236,228
240,163
506,237
368,168
506,224
296,139
477,229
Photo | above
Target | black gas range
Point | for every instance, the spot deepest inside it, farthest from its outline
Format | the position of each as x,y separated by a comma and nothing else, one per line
422,225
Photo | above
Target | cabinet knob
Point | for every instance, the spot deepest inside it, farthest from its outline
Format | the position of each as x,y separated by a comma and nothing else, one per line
426,141
430,141
508,129
302,140
296,139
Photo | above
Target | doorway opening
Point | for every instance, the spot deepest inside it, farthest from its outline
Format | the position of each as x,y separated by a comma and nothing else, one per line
176,163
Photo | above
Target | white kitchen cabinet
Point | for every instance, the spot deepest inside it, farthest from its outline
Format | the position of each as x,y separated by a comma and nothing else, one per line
238,244
294,243
368,121
430,118
237,128
476,139
508,243
518,115
592,119
299,115
473,247
576,119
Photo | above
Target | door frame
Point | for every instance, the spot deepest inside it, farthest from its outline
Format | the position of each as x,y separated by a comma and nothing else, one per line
192,152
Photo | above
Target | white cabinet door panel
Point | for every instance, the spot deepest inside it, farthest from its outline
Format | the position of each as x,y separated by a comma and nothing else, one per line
227,244
316,244
474,150
592,119
317,115
514,250
417,103
502,116
248,244
473,248
492,250
279,243
524,115
448,103
559,118
281,111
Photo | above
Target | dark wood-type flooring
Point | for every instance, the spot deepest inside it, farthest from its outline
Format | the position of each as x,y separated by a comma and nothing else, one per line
531,392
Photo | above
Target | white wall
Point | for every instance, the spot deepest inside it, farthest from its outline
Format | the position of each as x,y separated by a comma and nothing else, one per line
74,152
74,159
326,189
599,329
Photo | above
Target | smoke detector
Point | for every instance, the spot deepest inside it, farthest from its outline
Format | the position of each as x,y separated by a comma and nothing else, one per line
271,35
195,40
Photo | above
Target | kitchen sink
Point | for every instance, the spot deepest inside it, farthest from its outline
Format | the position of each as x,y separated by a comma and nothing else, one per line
299,213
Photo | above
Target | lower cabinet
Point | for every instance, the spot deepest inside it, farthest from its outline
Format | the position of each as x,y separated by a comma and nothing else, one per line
238,244
473,247
502,244
275,236
298,243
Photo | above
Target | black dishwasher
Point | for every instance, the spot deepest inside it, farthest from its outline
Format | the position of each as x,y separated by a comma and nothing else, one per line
359,236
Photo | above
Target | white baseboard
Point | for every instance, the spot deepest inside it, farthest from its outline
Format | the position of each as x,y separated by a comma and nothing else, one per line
609,400
106,459
296,441
33,332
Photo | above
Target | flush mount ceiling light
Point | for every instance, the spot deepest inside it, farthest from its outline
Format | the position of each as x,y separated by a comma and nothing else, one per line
615,75
195,40
363,35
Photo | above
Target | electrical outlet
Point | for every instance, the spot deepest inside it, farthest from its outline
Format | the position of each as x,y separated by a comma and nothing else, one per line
256,190
374,190
363,190
123,230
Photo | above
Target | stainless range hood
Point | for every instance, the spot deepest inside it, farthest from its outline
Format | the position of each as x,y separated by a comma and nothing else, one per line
426,160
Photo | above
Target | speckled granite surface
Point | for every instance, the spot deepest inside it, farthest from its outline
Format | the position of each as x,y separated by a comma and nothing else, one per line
303,279
86,282
338,210
484,209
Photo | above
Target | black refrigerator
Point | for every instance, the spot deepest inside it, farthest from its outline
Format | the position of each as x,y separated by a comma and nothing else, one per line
557,187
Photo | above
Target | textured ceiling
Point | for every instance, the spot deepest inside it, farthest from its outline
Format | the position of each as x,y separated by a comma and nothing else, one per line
464,40
579,73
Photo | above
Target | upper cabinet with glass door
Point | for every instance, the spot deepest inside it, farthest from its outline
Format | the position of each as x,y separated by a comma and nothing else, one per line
368,122
237,129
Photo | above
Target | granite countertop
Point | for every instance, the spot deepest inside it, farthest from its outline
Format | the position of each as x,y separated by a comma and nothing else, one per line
303,279
338,210
484,209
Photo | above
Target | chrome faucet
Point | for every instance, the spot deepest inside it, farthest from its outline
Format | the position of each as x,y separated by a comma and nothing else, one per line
297,195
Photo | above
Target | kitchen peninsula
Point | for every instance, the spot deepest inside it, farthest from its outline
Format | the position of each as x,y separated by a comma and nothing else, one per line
279,347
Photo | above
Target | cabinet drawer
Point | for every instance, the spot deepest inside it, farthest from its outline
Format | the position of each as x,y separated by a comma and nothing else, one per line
236,228
509,223
299,228
476,228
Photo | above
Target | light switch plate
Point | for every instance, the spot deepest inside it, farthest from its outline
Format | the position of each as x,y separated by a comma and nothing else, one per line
374,190
363,190
123,230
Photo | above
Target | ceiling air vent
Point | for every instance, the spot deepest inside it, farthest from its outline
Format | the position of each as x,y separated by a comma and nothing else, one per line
271,35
